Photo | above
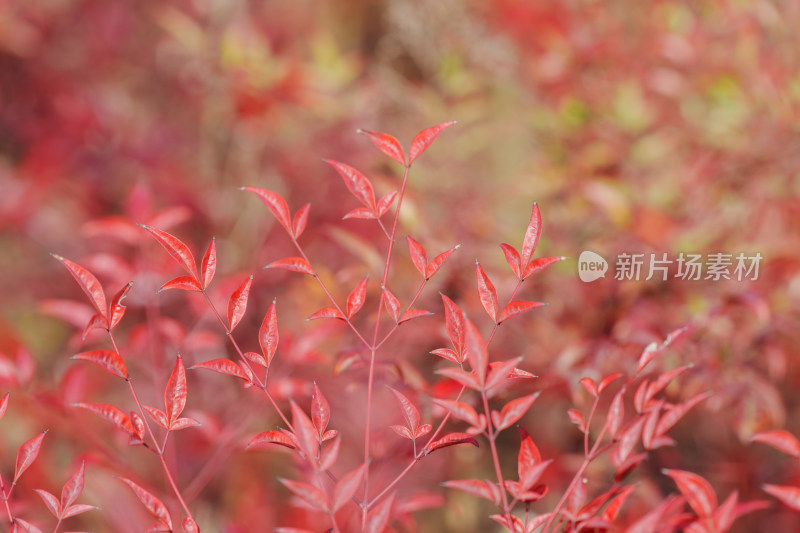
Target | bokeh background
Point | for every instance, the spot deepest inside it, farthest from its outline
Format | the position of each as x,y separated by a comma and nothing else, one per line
639,127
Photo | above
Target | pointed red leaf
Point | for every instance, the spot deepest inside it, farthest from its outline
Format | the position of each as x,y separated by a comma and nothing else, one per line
270,437
437,262
676,412
537,265
589,385
515,409
424,139
528,459
183,283
450,439
20,524
110,413
379,518
4,404
88,282
487,292
418,256
477,354
357,183
362,213
410,412
500,371
386,202
392,304
294,264
300,220
606,381
320,411
307,436
779,439
517,308
423,430
628,439
77,509
177,249
512,258
476,487
97,321
386,144
175,393
454,323
208,265
222,366
576,417
616,414
50,501
447,353
110,361
403,431
327,312
237,305
276,204
355,300
532,234
155,506
411,314
256,358
469,380
117,310
189,525
696,490
183,423
790,496
73,487
347,487
27,454
158,416
460,410
268,333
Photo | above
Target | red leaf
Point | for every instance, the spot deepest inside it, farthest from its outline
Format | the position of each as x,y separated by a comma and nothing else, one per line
50,501
532,234
379,517
476,351
424,139
77,509
108,360
320,411
698,491
403,432
184,283
153,504
460,410
27,526
447,353
177,249
589,385
295,264
27,454
500,371
576,417
423,430
466,379
183,423
237,305
392,304
512,258
355,300
612,510
437,262
4,404
117,310
537,265
450,439
175,393
356,182
256,358
307,436
676,412
410,412
97,321
616,414
476,487
454,323
110,413
779,439
222,366
274,203
347,487
418,256
88,283
270,437
308,493
73,487
386,202
386,144
189,525
208,265
790,496
606,381
300,220
628,440
515,409
487,292
268,333
158,416
517,308
528,460
411,314
327,312
362,213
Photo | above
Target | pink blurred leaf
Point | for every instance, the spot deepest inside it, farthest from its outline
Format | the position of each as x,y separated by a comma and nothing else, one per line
476,487
477,354
696,490
460,410
790,496
154,506
347,487
779,439
308,493
424,139
616,414
306,433
189,525
378,519
4,404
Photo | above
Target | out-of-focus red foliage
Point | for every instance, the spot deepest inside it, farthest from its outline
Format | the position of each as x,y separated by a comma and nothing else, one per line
638,127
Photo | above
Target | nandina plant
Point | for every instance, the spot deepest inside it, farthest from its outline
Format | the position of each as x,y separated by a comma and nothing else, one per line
336,488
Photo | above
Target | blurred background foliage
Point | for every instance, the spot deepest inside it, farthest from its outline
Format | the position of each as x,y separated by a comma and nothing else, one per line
639,127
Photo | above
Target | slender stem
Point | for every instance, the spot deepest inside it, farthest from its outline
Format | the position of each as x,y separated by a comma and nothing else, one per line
6,497
159,451
58,524
492,436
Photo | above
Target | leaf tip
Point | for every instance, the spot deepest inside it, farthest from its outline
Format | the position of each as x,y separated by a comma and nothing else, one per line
60,258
